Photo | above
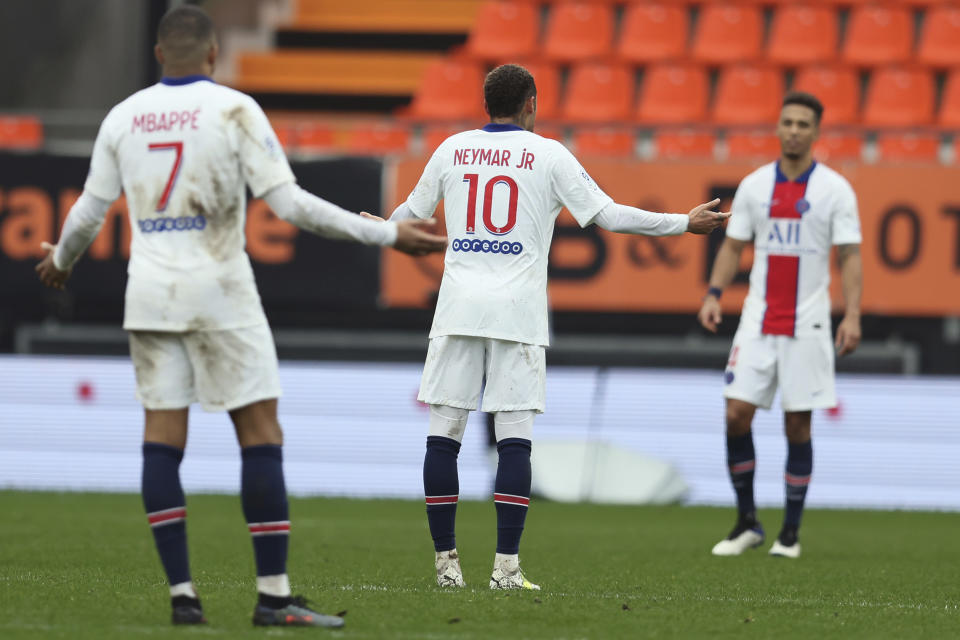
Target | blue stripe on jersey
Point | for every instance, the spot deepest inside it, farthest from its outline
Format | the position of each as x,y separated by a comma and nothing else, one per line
175,82
494,127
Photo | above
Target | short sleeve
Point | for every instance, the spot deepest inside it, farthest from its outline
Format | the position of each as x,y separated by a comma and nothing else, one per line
740,225
103,180
425,197
575,189
845,220
261,157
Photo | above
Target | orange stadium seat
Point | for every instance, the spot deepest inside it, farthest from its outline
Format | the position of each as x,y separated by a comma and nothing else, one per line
599,92
378,139
674,93
433,136
949,115
653,31
940,38
604,142
803,34
547,77
505,30
878,34
837,87
314,136
753,144
553,132
684,143
728,33
449,90
578,31
416,16
748,94
899,97
24,133
908,147
834,146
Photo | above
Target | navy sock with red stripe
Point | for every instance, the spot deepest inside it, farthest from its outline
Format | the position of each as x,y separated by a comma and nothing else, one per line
797,479
165,504
264,497
512,492
441,486
741,461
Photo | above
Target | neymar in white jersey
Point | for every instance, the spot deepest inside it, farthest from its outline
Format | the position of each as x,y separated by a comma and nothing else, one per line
794,210
183,151
503,187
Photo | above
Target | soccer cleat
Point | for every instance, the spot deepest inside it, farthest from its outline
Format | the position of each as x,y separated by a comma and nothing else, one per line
786,545
747,534
507,574
294,614
449,573
187,610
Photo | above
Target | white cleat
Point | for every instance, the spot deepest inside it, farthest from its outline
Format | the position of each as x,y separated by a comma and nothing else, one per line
783,551
448,569
507,574
739,541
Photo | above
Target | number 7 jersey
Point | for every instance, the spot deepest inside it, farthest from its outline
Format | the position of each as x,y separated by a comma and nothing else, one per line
502,188
183,151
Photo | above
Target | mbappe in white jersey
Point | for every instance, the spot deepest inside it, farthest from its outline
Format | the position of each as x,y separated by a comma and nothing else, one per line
503,188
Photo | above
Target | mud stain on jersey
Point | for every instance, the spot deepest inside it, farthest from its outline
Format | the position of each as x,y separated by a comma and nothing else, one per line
172,291
232,288
145,350
239,116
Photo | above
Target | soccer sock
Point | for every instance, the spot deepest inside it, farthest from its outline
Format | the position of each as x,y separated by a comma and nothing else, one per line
441,486
166,510
797,479
512,493
264,497
741,461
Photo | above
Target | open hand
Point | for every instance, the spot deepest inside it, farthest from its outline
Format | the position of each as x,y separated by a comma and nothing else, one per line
413,238
703,220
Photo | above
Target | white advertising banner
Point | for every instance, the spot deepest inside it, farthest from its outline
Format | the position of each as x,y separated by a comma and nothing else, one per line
357,429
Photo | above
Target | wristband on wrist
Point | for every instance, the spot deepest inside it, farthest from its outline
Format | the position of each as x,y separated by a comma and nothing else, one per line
716,292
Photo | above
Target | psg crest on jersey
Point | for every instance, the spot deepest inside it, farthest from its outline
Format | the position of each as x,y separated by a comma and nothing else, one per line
802,206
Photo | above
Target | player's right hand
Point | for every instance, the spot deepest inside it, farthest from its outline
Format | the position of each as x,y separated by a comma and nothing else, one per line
47,271
703,220
413,238
710,314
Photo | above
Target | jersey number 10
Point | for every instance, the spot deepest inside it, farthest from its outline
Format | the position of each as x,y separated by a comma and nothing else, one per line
473,180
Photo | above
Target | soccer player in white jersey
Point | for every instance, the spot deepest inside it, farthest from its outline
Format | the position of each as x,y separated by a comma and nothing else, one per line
794,210
503,187
183,151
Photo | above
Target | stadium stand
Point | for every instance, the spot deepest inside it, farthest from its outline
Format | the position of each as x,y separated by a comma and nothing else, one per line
579,31
752,145
612,141
899,97
878,34
949,114
908,147
653,32
940,38
748,94
599,92
838,146
449,90
728,33
838,88
21,133
504,31
802,34
684,144
674,93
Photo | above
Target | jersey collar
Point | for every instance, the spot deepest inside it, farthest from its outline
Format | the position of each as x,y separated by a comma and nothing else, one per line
803,177
176,82
493,127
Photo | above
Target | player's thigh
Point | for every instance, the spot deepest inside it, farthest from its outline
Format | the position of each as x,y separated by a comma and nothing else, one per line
453,372
164,373
751,372
516,375
234,367
807,378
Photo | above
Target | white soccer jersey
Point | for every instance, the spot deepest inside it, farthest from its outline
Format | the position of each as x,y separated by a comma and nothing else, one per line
503,188
182,152
793,225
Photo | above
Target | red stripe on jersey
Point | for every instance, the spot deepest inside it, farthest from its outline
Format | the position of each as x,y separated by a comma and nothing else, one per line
509,499
270,527
442,499
167,515
783,271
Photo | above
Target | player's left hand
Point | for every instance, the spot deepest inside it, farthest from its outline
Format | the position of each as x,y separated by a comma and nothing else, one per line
848,335
48,272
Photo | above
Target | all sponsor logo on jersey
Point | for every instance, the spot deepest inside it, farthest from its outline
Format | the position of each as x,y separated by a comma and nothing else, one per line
486,246
183,223
784,232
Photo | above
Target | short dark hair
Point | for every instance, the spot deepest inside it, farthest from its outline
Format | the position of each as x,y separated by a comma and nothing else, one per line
506,89
183,30
805,99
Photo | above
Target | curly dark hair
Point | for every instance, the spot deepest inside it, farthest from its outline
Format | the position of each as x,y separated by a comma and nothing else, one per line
805,99
506,89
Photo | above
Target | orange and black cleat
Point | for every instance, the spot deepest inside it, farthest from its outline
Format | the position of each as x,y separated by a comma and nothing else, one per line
296,613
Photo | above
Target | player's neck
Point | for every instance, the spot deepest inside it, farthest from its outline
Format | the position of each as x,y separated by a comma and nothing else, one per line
793,168
183,71
514,121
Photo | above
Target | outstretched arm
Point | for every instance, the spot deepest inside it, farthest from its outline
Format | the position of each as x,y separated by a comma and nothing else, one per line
851,275
81,227
624,219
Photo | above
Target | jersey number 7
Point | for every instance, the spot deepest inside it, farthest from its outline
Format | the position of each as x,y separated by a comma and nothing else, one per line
178,147
473,179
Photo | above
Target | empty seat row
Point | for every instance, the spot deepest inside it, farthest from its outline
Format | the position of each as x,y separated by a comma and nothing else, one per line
655,30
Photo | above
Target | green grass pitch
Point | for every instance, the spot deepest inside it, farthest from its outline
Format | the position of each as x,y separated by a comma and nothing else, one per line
83,566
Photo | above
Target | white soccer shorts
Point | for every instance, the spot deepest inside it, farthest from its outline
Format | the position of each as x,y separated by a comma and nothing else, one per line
511,375
223,370
801,367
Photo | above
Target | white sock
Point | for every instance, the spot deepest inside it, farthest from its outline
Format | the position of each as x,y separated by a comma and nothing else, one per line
509,562
277,586
183,589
